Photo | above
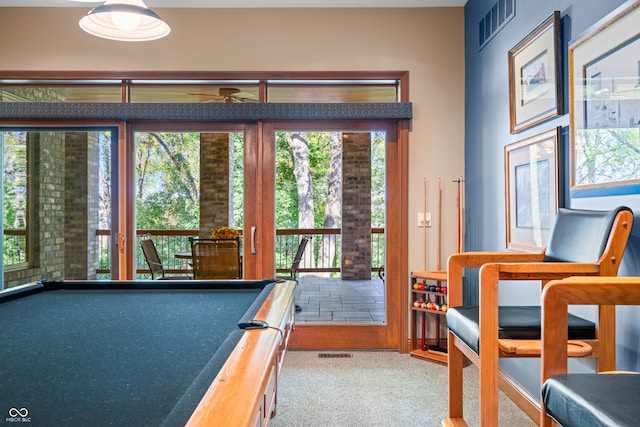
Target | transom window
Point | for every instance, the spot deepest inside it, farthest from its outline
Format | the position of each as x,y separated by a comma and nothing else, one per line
201,91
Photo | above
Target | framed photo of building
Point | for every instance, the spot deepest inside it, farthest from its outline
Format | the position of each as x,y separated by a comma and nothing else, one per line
531,190
604,78
535,89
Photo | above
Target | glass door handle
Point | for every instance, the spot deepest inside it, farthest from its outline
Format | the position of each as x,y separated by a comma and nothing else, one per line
253,239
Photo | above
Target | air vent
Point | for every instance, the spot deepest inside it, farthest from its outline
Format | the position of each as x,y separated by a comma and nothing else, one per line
334,355
494,20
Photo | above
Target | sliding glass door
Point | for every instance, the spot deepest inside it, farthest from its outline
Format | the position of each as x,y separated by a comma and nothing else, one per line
334,182
57,203
188,182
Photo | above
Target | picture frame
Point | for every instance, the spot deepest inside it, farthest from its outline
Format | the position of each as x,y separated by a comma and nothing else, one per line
531,190
535,76
604,92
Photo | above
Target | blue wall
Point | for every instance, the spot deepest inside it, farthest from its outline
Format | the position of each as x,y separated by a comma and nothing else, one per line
486,134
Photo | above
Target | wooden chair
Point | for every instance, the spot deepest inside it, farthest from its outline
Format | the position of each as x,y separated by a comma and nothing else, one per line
153,260
585,243
216,258
586,399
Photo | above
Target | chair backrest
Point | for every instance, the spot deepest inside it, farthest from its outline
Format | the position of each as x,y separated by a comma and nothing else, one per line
581,235
151,256
298,257
216,258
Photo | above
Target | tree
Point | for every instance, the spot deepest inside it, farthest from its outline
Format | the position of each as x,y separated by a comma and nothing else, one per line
168,173
333,206
298,144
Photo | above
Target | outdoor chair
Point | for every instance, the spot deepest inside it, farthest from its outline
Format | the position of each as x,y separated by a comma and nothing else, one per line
295,265
216,258
586,399
581,243
153,260
293,271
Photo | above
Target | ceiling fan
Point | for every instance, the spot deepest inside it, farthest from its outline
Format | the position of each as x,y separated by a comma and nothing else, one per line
227,95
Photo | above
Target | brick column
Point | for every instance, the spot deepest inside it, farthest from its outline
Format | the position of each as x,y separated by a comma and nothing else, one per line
215,183
356,206
81,205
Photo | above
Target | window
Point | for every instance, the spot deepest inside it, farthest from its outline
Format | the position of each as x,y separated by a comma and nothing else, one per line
15,200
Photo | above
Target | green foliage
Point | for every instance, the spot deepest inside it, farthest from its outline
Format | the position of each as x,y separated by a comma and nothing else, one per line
378,187
318,142
286,190
14,195
607,155
15,177
238,180
104,180
168,177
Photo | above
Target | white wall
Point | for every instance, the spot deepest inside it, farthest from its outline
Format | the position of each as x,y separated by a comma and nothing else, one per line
427,42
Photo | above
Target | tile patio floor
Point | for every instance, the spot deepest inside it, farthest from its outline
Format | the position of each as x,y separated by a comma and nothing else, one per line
334,301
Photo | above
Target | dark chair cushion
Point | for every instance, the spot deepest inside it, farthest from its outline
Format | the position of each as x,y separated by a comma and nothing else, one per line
593,399
514,322
580,235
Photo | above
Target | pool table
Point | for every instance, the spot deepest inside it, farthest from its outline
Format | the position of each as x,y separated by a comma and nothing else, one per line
143,353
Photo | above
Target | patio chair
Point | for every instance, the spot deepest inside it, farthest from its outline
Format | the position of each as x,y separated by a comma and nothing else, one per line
216,258
153,260
293,271
581,243
295,265
585,399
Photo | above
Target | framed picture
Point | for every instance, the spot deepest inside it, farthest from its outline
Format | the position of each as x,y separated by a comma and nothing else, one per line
531,190
604,77
535,91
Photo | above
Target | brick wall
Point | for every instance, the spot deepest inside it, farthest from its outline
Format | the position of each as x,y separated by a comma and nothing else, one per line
215,182
45,210
356,206
81,205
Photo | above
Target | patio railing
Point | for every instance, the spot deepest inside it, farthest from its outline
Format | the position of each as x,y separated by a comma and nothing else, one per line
169,242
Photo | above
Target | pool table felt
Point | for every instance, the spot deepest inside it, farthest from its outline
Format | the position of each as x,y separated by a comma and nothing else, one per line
130,357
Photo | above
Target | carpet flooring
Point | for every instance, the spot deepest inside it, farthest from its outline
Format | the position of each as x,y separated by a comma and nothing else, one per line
374,388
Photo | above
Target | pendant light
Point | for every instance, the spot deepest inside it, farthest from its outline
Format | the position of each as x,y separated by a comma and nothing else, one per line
124,20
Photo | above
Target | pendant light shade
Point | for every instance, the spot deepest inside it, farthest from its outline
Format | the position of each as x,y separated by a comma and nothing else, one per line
124,20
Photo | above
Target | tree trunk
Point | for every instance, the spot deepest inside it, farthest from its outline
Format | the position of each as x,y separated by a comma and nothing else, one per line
333,207
144,162
302,171
183,171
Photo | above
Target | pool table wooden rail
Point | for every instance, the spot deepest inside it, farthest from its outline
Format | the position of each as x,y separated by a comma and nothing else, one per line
244,393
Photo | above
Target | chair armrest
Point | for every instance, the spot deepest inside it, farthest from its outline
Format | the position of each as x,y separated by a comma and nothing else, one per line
490,276
556,297
458,262
478,259
545,270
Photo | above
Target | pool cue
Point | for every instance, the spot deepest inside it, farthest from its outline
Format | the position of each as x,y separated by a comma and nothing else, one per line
424,225
424,261
439,213
460,180
437,347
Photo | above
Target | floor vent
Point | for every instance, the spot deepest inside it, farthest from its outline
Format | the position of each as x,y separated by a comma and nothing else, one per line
494,20
334,355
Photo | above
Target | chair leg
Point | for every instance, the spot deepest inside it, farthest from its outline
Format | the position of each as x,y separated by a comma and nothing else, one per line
488,391
455,365
545,421
489,354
